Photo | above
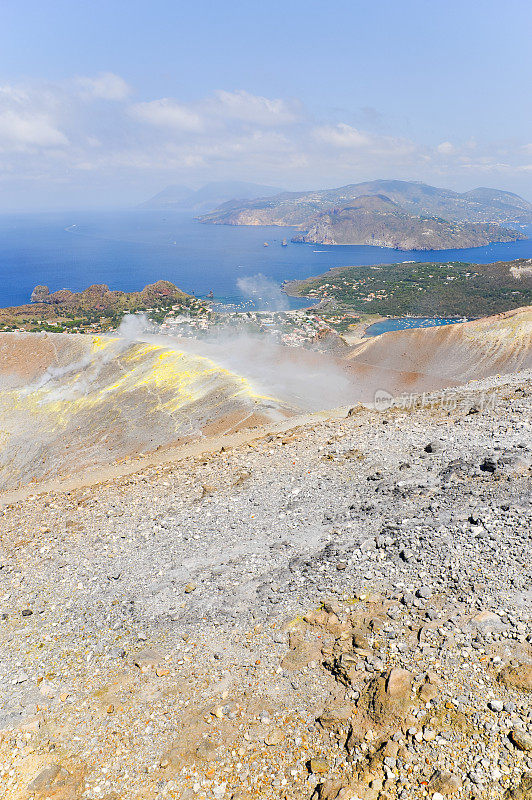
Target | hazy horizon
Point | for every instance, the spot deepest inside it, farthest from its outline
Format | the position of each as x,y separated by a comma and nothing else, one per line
105,105
104,204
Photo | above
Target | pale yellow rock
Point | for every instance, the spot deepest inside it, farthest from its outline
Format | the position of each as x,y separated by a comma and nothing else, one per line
274,736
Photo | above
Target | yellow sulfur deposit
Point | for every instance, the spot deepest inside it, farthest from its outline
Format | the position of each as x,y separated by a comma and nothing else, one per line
107,398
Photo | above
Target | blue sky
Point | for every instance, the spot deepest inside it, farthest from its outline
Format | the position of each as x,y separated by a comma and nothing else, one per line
107,102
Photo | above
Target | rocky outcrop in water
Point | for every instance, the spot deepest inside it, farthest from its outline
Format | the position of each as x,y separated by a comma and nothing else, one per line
40,294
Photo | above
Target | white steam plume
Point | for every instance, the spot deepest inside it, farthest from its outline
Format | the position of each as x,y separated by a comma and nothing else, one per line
307,380
264,293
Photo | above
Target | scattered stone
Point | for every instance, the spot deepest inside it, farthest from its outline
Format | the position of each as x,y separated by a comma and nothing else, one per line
269,552
318,766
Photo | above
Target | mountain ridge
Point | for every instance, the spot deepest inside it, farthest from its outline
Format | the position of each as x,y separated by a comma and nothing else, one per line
376,220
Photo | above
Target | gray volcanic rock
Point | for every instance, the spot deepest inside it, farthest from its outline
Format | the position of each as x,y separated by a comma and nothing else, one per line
231,686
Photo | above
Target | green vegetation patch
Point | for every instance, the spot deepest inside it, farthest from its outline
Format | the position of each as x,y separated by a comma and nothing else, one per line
97,308
444,289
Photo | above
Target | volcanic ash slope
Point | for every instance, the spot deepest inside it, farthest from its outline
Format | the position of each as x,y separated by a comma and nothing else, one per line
428,359
339,611
68,402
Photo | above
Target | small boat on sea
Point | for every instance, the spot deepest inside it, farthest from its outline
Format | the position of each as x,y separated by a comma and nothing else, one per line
284,243
266,244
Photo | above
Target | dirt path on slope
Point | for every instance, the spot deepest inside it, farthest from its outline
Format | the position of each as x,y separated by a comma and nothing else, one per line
139,462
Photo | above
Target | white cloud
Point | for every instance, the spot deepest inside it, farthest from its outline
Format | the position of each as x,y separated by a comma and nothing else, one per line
252,108
487,165
21,130
26,123
104,86
341,135
346,137
13,94
167,113
60,132
446,148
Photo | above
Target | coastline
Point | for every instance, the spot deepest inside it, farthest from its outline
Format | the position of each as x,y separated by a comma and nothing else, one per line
446,292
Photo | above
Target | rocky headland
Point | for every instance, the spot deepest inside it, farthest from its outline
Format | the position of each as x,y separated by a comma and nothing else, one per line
98,306
375,220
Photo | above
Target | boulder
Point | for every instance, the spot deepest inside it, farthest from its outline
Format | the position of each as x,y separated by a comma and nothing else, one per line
336,719
445,782
54,780
44,778
521,739
523,791
332,790
301,652
391,695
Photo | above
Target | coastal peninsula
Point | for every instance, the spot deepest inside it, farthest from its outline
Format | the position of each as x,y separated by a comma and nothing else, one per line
418,288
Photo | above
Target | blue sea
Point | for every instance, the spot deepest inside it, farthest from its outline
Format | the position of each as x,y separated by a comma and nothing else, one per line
129,249
403,323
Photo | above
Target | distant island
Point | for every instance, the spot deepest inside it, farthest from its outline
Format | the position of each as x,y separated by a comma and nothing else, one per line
97,308
208,197
399,214
421,289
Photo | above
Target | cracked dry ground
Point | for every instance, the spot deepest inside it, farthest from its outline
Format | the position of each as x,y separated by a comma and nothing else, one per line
340,611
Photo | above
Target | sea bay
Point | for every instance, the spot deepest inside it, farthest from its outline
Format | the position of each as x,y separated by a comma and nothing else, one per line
128,249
